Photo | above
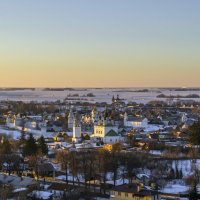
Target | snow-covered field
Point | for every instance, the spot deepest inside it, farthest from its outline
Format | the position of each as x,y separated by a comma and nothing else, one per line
101,95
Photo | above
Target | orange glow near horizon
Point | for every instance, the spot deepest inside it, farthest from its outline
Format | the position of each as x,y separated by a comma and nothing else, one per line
99,44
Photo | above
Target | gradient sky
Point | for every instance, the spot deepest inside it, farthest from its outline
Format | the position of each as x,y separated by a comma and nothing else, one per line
99,43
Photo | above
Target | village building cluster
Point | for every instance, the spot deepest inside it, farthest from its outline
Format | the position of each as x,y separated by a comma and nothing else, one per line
80,127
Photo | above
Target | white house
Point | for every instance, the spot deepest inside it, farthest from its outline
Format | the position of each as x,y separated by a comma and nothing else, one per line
112,137
135,122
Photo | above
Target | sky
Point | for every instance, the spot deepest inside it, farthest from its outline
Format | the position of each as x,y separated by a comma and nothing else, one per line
99,43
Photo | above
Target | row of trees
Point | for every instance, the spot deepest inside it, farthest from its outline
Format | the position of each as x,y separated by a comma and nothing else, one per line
99,166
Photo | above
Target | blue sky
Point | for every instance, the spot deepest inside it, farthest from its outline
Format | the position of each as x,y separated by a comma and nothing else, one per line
99,43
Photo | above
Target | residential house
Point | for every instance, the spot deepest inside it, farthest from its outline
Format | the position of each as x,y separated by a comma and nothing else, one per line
135,122
134,191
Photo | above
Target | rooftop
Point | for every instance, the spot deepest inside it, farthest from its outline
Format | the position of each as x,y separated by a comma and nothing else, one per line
112,133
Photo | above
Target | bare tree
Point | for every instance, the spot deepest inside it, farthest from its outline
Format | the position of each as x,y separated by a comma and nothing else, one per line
64,158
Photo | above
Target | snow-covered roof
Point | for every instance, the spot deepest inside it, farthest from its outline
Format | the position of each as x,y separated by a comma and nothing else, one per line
41,194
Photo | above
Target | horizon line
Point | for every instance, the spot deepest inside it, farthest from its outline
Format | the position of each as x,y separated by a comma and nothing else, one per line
106,87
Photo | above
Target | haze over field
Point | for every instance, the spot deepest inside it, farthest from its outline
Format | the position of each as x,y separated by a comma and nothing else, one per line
139,95
99,43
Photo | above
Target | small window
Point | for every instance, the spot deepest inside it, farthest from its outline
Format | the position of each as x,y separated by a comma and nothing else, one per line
126,195
119,193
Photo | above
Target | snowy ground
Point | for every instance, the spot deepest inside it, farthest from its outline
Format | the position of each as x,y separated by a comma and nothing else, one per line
175,187
42,194
187,166
70,178
81,179
179,186
20,190
155,152
11,133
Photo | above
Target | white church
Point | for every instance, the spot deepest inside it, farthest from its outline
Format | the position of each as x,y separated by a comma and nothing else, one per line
76,131
70,119
106,131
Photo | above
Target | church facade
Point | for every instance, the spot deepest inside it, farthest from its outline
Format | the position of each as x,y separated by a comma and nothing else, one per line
105,130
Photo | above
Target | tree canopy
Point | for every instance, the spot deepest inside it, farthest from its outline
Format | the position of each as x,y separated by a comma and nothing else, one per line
194,133
30,146
42,147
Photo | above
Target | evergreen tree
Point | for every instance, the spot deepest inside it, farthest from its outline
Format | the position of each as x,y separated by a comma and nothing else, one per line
194,133
30,146
22,137
42,145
